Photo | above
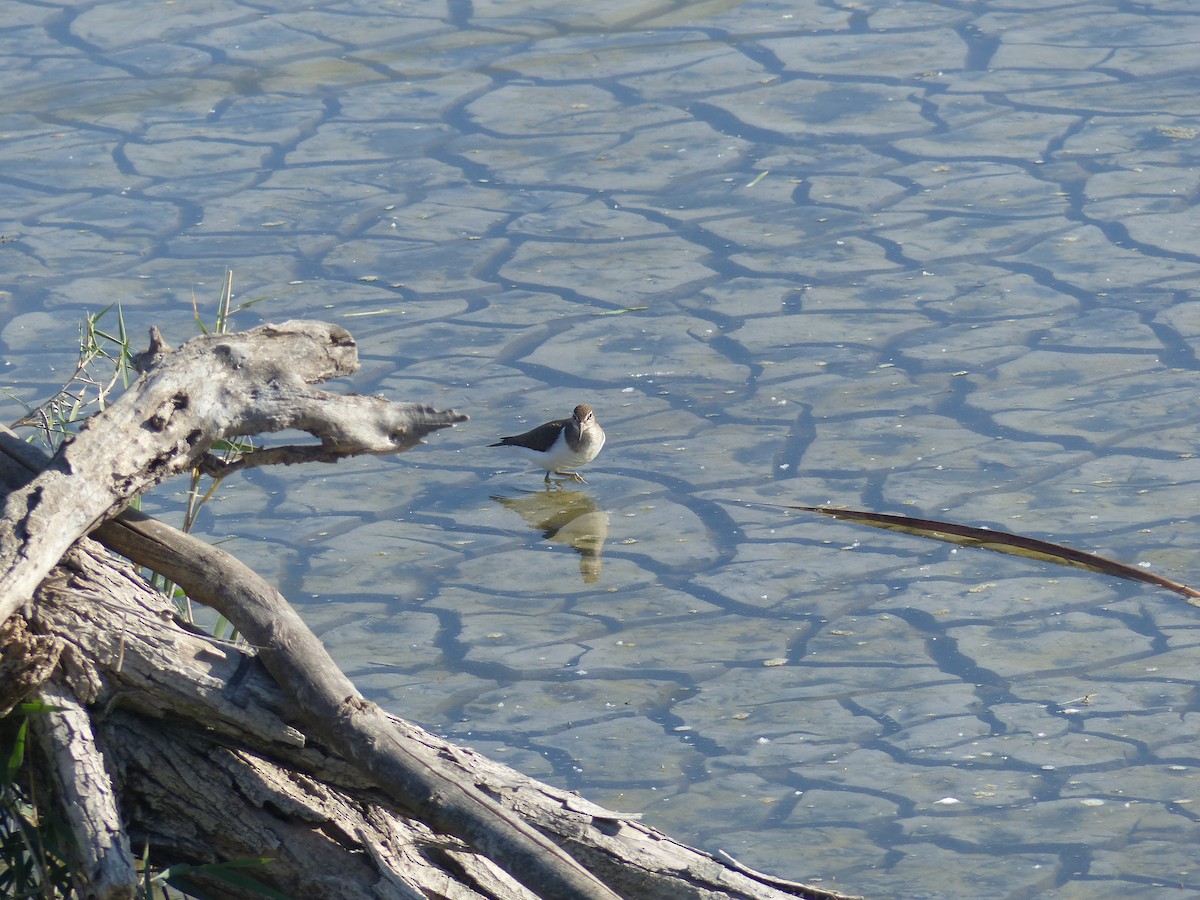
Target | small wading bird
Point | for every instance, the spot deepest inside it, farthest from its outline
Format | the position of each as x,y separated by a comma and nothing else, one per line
561,446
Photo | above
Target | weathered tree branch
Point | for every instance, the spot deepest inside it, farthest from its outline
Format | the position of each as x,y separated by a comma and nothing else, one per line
105,867
414,806
228,794
28,660
335,712
215,387
225,386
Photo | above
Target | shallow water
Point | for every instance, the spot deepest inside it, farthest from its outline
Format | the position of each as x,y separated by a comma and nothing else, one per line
904,257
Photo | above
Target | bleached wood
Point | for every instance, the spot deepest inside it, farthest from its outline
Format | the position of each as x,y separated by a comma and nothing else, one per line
208,774
28,660
221,754
215,387
332,709
104,863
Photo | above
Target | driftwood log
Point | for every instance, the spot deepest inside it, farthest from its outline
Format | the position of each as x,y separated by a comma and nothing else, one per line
212,752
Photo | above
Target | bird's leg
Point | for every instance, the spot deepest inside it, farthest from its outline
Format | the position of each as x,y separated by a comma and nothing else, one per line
547,477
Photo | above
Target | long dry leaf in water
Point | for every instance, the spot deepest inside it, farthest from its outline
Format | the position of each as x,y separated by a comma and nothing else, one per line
999,541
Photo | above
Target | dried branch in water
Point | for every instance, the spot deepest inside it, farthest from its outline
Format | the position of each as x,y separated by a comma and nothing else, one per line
997,541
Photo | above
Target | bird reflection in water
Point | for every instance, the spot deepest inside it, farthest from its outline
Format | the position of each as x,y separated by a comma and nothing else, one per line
565,517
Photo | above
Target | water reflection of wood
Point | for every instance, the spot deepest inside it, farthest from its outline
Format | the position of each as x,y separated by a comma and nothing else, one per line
566,517
211,752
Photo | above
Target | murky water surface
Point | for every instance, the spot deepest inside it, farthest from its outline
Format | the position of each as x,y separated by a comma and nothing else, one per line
919,257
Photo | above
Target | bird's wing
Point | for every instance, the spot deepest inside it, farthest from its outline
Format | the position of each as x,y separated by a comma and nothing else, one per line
540,438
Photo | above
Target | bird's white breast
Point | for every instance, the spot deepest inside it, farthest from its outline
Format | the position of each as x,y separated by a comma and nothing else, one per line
561,456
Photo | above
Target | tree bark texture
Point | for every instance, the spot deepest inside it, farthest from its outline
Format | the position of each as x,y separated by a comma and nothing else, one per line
216,752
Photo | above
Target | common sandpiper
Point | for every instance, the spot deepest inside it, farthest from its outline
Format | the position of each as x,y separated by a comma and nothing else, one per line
561,446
